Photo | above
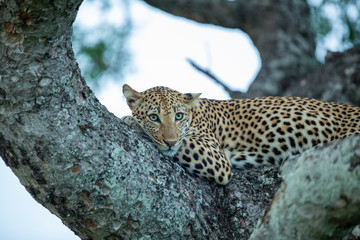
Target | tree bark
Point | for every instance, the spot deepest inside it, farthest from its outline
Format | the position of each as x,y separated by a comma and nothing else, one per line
87,167
280,30
82,163
338,80
282,33
319,197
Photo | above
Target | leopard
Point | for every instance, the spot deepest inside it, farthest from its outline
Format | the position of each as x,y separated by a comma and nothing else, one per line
210,138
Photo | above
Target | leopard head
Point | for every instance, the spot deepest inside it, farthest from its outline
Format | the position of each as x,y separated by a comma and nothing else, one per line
164,115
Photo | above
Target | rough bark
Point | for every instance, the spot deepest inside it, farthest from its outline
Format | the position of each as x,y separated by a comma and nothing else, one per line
286,46
337,80
280,30
319,197
83,164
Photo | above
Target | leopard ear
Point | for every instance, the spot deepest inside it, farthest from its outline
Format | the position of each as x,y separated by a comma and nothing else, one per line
133,98
191,99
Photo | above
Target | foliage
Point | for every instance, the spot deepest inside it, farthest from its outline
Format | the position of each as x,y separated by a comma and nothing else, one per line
102,51
336,19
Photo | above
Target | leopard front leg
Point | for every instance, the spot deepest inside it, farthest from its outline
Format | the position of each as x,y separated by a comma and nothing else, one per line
131,122
202,156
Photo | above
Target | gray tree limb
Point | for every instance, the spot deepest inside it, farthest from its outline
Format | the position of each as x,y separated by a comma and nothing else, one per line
337,80
86,166
319,197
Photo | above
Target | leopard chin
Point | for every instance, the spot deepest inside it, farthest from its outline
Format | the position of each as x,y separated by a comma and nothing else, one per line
169,152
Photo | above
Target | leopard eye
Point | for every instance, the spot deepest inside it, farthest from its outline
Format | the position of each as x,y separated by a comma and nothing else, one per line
154,117
179,116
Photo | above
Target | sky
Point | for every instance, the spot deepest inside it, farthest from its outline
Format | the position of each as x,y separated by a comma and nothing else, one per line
160,44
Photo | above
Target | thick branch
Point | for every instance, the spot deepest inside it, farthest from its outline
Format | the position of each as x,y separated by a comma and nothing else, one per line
83,163
338,80
319,197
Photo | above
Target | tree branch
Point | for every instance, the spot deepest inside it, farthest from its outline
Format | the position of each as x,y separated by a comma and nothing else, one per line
213,77
319,197
86,166
338,80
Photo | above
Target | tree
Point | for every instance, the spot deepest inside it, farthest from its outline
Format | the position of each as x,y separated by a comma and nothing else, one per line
104,181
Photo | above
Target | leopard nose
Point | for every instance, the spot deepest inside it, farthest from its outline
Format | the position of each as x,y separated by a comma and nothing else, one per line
170,143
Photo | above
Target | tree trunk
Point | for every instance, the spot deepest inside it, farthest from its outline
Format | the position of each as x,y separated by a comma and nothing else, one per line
84,165
280,30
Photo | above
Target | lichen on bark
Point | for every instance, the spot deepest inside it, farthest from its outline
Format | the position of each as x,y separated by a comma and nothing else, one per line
87,167
319,197
79,160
